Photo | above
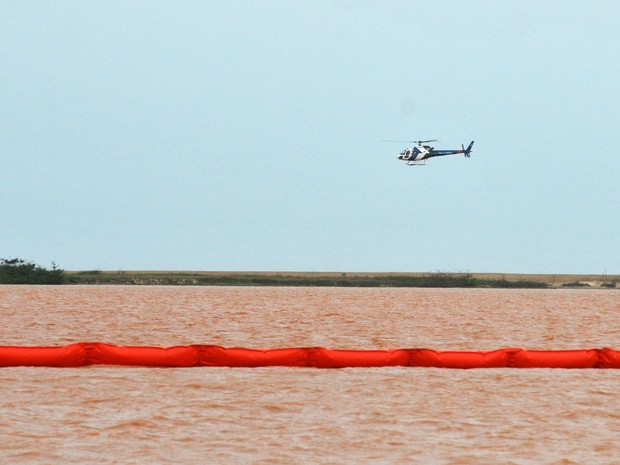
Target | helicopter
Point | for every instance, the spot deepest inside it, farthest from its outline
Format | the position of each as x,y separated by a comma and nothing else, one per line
418,155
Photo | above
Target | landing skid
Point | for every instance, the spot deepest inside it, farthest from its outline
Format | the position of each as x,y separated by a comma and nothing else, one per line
416,163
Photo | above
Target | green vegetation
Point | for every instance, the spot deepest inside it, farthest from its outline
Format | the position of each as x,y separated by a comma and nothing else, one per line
294,279
18,271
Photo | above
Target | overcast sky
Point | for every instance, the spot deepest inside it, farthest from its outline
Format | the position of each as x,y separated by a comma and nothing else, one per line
247,135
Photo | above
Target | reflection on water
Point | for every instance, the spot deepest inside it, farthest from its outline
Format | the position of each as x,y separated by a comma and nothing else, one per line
298,415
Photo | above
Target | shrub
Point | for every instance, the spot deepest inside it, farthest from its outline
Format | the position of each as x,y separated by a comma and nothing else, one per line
18,271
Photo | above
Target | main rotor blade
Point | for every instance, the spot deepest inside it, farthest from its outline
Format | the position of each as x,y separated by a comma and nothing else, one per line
416,141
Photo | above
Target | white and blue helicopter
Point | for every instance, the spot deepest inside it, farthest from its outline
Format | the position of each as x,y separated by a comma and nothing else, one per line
418,155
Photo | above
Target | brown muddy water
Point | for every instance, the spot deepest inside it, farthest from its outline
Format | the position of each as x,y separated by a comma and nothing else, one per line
279,415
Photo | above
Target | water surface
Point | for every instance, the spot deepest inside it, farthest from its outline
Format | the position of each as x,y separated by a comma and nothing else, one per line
103,414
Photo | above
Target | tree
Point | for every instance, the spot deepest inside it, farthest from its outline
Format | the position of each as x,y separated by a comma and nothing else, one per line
18,271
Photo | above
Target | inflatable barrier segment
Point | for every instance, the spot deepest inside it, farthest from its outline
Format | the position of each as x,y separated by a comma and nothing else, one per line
608,358
448,359
98,353
216,356
554,359
321,357
73,355
108,354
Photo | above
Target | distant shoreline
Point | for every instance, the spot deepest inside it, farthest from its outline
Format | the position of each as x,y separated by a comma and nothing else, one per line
342,279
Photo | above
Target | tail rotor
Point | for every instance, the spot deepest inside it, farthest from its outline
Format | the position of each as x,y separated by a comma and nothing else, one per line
467,151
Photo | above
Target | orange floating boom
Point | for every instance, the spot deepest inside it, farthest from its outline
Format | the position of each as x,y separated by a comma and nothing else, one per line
98,353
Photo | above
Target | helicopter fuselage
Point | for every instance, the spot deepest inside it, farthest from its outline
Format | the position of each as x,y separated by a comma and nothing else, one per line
413,155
